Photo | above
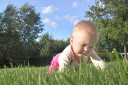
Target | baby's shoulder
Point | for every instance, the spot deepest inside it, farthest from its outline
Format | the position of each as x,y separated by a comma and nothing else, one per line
93,53
67,52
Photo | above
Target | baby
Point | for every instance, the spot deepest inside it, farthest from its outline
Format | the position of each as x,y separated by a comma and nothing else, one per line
82,42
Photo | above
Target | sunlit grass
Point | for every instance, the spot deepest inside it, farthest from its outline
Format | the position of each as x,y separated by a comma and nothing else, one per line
122,67
87,75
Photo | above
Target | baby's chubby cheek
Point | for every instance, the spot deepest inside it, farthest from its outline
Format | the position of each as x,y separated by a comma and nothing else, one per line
90,52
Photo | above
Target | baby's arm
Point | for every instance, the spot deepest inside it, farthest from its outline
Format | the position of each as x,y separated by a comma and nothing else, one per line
97,61
64,61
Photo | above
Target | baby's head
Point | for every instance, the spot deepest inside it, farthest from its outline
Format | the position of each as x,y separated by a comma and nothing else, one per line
84,38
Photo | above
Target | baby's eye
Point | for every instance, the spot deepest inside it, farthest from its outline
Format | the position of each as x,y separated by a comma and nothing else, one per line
91,47
83,45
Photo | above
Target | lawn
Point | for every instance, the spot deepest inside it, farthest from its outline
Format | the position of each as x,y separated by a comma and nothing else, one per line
87,75
116,73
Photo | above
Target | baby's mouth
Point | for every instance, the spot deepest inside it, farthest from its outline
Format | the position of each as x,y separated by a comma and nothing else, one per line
82,54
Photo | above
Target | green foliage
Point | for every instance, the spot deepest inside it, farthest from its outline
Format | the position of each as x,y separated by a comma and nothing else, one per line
106,45
67,80
50,47
109,56
60,45
121,66
46,45
88,75
18,30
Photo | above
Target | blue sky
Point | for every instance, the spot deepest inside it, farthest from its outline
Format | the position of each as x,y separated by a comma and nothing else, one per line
58,16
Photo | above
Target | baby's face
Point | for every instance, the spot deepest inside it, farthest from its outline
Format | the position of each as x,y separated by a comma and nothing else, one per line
83,43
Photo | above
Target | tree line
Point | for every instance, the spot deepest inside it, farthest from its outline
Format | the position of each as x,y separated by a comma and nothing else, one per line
19,27
19,30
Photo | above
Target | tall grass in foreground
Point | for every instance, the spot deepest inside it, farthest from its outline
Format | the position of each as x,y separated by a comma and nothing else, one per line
121,66
87,75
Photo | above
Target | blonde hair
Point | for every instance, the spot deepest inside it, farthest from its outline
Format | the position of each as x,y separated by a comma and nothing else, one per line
85,25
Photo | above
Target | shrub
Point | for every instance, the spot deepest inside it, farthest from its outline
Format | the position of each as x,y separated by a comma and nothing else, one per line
107,56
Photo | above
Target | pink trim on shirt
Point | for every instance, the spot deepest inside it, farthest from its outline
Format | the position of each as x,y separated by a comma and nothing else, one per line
74,56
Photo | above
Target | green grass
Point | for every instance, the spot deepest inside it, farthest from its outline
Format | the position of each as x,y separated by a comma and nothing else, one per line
121,66
88,75
115,74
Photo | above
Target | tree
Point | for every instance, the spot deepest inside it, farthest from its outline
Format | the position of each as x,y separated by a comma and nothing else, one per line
19,29
9,37
30,27
50,47
46,45
60,45
106,45
111,17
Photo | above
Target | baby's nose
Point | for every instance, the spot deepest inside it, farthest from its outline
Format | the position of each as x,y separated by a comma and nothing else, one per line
86,49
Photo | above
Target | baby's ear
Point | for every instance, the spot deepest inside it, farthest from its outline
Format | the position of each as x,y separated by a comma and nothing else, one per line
71,39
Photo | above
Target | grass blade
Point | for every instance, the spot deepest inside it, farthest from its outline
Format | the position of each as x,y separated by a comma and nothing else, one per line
122,68
67,80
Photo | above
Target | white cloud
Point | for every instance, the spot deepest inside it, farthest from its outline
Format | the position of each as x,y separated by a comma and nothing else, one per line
56,17
75,22
50,22
54,25
60,18
46,21
70,18
75,4
49,9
